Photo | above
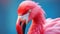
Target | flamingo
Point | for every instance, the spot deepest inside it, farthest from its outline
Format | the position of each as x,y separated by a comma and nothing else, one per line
30,10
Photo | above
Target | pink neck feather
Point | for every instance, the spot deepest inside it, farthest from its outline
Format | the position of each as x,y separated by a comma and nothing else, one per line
39,19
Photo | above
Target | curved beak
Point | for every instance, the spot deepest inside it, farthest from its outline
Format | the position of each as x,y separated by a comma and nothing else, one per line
21,22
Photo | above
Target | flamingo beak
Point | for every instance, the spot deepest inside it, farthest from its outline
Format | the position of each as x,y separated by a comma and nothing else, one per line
24,17
22,21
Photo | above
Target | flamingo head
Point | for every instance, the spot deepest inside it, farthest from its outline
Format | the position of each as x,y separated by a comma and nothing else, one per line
26,10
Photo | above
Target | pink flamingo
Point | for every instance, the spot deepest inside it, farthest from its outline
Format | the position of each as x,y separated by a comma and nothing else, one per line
29,10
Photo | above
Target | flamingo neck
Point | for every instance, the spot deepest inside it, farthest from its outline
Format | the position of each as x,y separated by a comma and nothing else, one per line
39,20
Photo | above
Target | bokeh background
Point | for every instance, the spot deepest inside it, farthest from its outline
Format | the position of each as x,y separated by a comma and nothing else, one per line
8,13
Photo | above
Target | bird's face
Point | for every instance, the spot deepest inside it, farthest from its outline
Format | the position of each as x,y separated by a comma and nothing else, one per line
27,10
27,16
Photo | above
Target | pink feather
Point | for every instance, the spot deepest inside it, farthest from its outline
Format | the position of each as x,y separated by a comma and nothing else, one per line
40,25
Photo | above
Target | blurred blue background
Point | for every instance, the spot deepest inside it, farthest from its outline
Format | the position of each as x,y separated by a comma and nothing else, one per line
8,13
